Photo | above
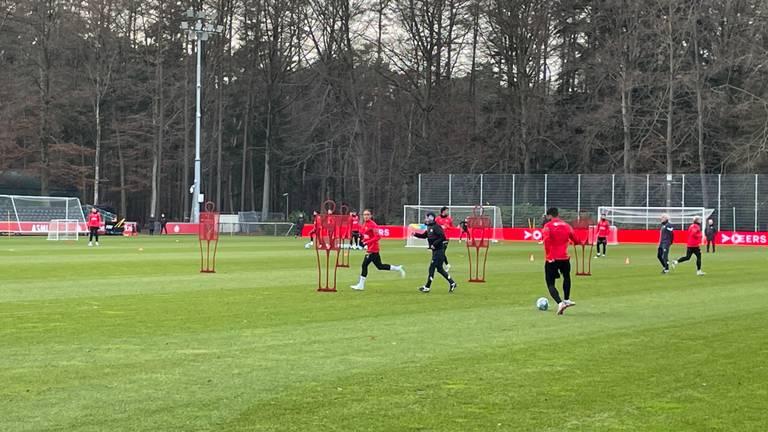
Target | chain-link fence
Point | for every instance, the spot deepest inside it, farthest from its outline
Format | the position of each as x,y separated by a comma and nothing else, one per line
739,201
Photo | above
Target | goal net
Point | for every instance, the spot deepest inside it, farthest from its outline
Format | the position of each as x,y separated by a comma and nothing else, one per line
63,229
32,214
649,217
270,229
413,221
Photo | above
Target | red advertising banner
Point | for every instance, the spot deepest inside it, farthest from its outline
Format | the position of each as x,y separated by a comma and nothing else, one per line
741,238
625,236
31,227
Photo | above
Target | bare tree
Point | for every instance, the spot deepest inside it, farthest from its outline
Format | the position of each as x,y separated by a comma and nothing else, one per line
101,54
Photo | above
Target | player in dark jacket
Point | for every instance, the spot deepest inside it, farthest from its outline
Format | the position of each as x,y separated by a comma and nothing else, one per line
710,232
299,226
666,238
437,241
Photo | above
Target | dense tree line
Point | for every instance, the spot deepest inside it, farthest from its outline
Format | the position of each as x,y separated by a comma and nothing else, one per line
352,98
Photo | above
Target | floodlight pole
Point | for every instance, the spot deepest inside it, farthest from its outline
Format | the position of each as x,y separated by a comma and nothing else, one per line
198,120
198,31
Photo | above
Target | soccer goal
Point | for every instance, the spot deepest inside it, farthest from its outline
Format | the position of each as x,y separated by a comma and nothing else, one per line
649,217
31,214
63,229
413,221
270,229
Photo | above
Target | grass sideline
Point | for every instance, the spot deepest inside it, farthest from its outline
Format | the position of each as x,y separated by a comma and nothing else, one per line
122,339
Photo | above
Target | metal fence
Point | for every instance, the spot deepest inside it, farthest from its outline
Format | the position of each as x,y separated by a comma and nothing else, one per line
740,201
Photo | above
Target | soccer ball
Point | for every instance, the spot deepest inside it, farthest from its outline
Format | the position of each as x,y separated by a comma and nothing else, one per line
542,304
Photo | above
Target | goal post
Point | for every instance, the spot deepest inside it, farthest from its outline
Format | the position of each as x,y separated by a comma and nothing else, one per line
648,217
413,221
63,229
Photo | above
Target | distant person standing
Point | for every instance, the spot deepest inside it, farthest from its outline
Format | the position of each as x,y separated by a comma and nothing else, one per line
666,238
152,225
464,225
710,232
693,246
354,220
603,229
94,224
299,225
163,224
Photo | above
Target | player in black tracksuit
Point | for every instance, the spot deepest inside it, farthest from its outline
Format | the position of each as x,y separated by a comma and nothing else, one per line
709,232
437,241
666,239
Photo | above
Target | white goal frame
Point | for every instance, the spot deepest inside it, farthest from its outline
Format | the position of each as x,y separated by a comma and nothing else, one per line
458,213
271,229
648,217
70,232
32,214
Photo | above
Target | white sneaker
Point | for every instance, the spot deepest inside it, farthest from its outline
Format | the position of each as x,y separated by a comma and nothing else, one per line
90,243
561,308
308,245
357,287
402,272
569,303
673,264
700,273
97,243
597,256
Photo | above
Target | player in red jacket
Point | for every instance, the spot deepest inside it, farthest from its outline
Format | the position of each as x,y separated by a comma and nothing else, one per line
694,246
94,224
557,236
603,229
371,239
312,232
446,223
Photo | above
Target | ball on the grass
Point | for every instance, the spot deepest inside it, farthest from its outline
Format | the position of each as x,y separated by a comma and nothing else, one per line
542,304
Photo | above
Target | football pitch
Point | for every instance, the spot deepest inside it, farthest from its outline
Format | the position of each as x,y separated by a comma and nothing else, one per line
130,337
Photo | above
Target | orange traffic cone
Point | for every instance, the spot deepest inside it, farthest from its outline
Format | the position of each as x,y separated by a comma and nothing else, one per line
626,261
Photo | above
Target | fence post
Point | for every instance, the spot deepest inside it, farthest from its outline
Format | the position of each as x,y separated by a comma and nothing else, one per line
545,192
450,189
682,204
755,202
647,197
513,200
578,199
481,189
719,192
419,190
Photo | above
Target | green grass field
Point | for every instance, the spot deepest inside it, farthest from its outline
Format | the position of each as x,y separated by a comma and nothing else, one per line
121,339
